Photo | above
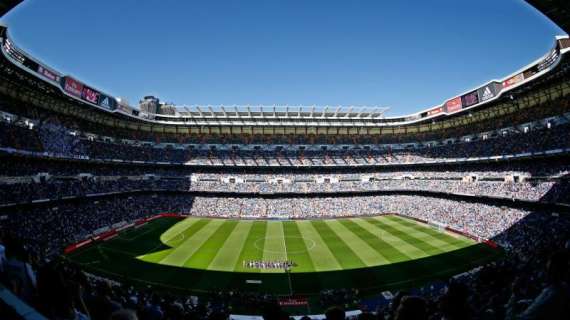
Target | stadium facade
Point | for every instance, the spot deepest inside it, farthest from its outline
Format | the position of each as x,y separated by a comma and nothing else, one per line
183,197
241,132
511,94
285,120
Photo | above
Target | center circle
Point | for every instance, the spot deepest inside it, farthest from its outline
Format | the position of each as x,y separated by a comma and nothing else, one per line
309,243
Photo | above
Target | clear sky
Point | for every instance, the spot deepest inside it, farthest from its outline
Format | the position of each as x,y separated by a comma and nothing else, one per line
408,55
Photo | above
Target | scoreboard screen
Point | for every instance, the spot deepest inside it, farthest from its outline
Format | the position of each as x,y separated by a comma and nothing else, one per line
470,99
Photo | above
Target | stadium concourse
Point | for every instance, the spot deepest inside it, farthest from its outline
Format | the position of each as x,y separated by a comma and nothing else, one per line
460,211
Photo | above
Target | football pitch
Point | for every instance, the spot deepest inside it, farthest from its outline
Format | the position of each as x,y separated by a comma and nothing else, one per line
203,254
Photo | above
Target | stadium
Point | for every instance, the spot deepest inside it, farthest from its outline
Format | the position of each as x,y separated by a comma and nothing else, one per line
157,211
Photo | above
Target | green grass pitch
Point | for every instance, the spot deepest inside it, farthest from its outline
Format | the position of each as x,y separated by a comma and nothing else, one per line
201,254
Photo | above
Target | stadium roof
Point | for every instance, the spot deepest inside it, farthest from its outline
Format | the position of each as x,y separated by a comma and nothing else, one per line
298,115
556,10
7,5
286,112
288,116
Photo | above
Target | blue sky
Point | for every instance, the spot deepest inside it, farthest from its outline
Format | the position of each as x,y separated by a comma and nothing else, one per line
408,55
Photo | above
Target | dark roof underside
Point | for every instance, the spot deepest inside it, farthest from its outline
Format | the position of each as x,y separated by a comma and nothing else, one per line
556,10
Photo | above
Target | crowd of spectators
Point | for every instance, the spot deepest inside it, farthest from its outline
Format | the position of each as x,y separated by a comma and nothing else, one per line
477,219
54,189
19,137
544,109
57,139
60,290
12,165
532,191
22,189
529,281
51,136
46,230
534,141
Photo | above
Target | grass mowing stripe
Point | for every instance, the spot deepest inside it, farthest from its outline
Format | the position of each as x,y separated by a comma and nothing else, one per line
117,263
343,254
297,250
322,257
204,255
229,252
274,248
155,256
145,245
443,263
252,248
390,253
190,244
458,241
158,257
360,247
195,226
178,229
409,250
426,247
441,239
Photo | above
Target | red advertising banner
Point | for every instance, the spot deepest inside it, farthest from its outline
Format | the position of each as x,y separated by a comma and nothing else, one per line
76,246
491,244
90,95
453,105
73,86
291,302
435,111
513,80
